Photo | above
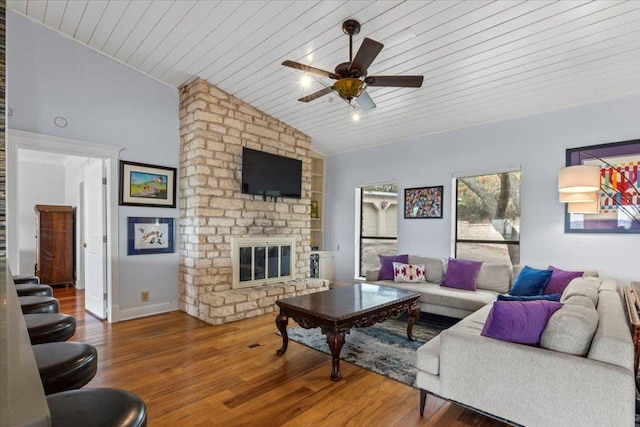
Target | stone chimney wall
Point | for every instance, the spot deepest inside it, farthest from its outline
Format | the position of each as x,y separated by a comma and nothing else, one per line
214,126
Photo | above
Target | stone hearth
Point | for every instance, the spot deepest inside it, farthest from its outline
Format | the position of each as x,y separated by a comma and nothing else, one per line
214,126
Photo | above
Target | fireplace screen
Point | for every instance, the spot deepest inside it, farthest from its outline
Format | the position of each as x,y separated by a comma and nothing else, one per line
259,261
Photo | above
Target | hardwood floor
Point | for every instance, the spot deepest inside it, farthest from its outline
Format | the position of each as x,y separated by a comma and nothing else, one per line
193,374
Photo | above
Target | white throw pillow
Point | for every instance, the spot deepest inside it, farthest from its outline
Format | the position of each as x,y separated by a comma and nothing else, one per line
408,273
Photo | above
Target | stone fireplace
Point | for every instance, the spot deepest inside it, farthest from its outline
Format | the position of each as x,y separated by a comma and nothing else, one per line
257,261
215,214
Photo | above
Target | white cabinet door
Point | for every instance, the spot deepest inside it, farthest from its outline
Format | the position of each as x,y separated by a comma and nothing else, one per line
325,265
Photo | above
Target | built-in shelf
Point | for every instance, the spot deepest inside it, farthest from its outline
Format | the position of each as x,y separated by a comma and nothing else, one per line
317,201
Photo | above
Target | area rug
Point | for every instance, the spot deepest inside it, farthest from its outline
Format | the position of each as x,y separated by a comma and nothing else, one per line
382,348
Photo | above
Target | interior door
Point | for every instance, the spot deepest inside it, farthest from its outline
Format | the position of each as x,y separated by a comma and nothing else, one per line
94,244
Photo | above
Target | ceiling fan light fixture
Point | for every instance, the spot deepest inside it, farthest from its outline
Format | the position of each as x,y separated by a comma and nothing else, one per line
349,88
355,116
305,80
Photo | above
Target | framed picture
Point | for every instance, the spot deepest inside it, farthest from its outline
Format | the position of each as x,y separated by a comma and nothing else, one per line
147,185
149,235
424,202
619,201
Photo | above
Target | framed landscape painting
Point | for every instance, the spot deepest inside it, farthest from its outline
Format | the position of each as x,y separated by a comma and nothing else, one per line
149,235
423,202
619,201
147,185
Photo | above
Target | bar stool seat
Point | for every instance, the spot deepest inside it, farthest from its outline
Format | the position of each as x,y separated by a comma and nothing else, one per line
65,365
25,278
39,305
97,407
49,327
34,289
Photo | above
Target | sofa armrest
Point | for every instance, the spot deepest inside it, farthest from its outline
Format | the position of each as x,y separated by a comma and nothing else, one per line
533,386
372,275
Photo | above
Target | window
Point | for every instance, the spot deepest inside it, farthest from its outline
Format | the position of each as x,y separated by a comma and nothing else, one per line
488,217
378,220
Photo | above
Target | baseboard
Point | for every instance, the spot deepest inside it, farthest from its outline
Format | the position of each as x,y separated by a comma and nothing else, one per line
148,310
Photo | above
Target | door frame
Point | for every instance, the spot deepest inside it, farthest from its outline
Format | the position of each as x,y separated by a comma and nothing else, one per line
17,139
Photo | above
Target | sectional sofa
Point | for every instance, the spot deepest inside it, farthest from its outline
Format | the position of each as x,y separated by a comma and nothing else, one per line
493,279
581,374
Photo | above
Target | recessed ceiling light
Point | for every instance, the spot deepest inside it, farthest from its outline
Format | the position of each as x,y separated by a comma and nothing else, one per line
61,122
355,116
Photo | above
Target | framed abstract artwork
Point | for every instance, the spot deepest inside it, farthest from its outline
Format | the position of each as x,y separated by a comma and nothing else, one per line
619,202
423,202
147,185
150,235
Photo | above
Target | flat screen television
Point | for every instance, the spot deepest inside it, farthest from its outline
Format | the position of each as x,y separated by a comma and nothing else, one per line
270,175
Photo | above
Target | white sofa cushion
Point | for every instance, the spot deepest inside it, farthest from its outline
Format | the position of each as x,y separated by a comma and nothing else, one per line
586,286
433,267
571,328
494,277
428,356
612,341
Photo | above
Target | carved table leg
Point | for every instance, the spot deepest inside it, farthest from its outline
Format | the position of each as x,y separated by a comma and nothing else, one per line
335,341
414,313
281,323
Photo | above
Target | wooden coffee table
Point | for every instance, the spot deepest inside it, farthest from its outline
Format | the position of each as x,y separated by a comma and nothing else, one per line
338,310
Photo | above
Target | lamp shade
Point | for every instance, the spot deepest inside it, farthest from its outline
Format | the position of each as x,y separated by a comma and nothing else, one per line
587,197
349,88
584,207
579,179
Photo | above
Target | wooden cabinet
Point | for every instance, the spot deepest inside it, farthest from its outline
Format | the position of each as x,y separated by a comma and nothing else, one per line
54,244
317,201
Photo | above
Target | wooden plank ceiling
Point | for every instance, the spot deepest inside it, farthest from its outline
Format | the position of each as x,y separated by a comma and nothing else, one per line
482,61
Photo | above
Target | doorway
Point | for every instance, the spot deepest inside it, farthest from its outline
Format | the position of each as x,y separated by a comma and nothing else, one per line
84,165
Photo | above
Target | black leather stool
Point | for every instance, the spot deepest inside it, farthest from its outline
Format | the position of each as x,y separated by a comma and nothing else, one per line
34,289
65,365
39,305
25,278
97,407
49,327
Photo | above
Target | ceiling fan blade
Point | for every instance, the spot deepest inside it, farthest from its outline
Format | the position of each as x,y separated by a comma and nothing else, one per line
368,51
315,95
396,81
365,102
308,69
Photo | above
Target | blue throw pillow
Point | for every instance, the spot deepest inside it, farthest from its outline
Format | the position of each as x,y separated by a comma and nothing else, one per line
551,297
531,281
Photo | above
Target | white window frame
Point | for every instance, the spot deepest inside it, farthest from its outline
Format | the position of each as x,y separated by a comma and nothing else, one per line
358,220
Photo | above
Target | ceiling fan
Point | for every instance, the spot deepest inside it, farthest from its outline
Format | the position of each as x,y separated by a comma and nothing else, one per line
351,77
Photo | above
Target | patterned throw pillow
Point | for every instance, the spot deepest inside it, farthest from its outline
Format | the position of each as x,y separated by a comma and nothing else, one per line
408,273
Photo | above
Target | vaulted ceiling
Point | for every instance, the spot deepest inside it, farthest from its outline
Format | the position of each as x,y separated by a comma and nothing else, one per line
482,61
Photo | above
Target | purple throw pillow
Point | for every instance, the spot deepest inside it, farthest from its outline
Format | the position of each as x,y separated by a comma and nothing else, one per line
386,265
461,274
519,321
560,280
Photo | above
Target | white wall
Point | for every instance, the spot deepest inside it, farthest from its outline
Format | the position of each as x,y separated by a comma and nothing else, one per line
536,143
50,75
39,183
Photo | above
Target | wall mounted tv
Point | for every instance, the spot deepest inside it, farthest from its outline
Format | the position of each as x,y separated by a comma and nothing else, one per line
270,175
